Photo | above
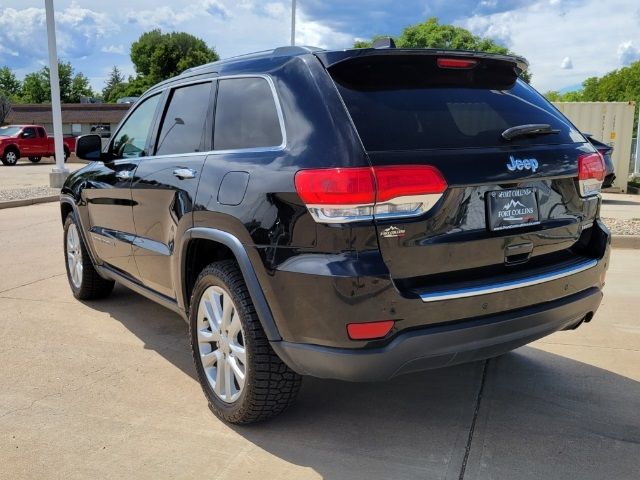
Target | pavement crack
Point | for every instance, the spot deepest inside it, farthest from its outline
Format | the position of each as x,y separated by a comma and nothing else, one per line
31,283
472,428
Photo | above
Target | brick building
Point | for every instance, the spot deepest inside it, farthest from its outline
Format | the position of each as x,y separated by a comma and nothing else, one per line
77,118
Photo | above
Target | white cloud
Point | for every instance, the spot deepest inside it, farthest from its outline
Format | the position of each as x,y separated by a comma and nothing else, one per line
79,30
485,26
276,10
317,34
628,53
546,30
117,49
566,64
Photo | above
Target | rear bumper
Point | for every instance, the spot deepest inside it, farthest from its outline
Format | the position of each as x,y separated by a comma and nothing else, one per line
441,345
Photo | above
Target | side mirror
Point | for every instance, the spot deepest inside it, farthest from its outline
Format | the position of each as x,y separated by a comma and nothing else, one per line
89,147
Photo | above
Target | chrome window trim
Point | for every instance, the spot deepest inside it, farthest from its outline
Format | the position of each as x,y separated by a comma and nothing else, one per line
510,285
274,93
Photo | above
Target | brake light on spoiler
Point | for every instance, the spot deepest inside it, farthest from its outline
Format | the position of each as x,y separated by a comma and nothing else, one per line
591,173
456,63
343,195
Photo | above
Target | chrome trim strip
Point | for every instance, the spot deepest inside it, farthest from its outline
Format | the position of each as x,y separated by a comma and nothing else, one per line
511,285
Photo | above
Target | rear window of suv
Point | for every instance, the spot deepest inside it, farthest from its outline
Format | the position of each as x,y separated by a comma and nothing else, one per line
409,106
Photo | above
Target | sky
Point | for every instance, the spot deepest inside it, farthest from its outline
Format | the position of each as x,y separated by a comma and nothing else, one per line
565,41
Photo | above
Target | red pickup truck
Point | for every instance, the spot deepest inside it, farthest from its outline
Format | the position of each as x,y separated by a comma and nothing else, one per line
29,141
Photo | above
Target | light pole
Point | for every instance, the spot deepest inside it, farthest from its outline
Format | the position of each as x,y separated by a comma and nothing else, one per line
59,172
293,22
636,169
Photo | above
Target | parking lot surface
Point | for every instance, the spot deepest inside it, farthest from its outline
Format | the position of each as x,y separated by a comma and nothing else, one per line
107,390
26,174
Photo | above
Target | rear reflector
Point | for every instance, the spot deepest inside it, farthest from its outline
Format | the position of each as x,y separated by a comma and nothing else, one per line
340,195
456,63
369,330
591,173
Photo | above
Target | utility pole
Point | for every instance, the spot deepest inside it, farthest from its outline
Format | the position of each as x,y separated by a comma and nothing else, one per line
59,172
293,22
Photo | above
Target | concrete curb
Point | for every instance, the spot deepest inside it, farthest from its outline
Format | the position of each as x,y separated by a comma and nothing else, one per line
29,201
625,241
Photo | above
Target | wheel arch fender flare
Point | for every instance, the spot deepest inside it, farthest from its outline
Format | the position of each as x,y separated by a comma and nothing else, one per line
248,272
11,146
69,200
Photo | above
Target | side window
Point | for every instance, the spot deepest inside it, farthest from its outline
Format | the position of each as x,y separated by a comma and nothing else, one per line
132,137
183,124
41,132
246,115
29,132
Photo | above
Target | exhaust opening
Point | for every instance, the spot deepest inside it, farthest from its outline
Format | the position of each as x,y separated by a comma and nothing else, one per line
586,319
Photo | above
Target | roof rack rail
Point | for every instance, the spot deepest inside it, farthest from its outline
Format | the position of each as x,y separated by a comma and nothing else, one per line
293,50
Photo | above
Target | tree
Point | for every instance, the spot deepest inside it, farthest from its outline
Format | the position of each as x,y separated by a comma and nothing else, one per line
9,84
5,106
621,85
37,89
157,56
115,80
431,34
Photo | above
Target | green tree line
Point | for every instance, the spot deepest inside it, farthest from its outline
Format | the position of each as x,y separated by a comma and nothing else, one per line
622,85
156,56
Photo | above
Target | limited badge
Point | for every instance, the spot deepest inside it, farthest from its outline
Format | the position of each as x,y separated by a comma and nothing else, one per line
393,232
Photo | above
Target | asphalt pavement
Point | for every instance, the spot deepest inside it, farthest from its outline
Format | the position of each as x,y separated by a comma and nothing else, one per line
107,389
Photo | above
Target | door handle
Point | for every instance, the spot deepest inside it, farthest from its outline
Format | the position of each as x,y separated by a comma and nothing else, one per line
184,173
124,174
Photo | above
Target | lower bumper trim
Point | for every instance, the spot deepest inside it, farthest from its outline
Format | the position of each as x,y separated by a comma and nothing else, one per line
441,345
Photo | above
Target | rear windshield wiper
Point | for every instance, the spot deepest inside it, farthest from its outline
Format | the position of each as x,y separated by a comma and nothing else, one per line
529,129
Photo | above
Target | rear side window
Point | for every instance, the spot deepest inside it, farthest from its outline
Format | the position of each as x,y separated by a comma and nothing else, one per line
414,106
183,124
41,132
246,115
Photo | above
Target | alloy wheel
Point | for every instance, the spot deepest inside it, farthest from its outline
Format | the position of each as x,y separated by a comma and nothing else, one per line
221,344
11,158
74,255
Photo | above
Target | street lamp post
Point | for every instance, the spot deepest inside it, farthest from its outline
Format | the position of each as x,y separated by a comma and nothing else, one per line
59,172
293,22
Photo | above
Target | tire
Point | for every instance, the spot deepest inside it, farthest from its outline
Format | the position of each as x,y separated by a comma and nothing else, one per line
10,157
35,159
83,278
236,342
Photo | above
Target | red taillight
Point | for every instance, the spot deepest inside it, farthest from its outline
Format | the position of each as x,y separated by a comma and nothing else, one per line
336,186
591,172
340,195
369,330
591,166
456,63
404,181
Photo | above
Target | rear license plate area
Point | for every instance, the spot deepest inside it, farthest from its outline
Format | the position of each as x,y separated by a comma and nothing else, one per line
512,208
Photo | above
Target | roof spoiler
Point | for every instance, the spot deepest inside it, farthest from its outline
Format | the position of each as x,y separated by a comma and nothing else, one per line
332,58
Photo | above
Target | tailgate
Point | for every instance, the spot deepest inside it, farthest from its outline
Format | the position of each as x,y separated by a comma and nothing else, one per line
511,202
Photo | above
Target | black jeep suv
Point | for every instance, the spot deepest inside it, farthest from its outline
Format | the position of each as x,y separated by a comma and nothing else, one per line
353,214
